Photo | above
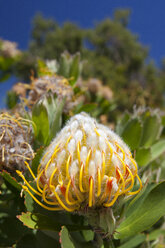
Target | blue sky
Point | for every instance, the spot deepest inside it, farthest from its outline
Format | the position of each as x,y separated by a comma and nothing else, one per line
147,18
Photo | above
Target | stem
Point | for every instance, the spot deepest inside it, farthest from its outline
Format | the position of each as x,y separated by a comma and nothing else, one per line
98,239
108,243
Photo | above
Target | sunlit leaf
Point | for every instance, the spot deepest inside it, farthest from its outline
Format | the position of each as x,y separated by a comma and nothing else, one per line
148,213
11,180
151,130
143,156
132,133
65,239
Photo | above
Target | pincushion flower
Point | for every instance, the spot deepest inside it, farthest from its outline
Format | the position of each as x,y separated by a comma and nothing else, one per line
15,139
87,164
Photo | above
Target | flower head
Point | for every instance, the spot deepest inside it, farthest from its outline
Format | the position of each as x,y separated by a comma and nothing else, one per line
15,136
86,164
38,87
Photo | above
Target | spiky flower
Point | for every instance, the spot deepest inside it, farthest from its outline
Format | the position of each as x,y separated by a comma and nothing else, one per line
15,136
87,164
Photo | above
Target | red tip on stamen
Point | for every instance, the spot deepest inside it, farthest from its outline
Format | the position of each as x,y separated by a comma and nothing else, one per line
90,179
63,190
109,185
117,175
126,173
42,180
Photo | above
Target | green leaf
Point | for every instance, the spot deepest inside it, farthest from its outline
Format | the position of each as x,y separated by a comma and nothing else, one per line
88,235
137,201
36,160
65,238
55,125
43,222
64,66
134,242
143,156
40,118
11,180
132,133
85,108
155,234
148,213
39,221
29,203
122,123
74,69
151,130
157,149
11,99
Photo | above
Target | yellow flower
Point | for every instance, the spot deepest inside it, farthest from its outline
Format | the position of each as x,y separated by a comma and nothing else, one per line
87,164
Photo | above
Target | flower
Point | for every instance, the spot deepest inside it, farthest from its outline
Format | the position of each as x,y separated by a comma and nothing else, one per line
38,87
15,136
9,49
87,164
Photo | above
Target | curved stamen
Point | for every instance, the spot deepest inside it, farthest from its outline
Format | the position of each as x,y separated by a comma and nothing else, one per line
111,150
28,121
35,191
67,195
137,191
67,166
87,160
114,199
31,172
60,201
3,133
37,182
22,156
121,149
29,148
55,152
98,182
43,158
68,140
44,197
10,118
103,164
78,152
132,180
51,177
81,178
90,191
77,192
134,163
121,160
39,203
122,179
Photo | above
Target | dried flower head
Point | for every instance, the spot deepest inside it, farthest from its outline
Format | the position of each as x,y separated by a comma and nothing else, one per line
15,149
56,84
9,49
86,164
